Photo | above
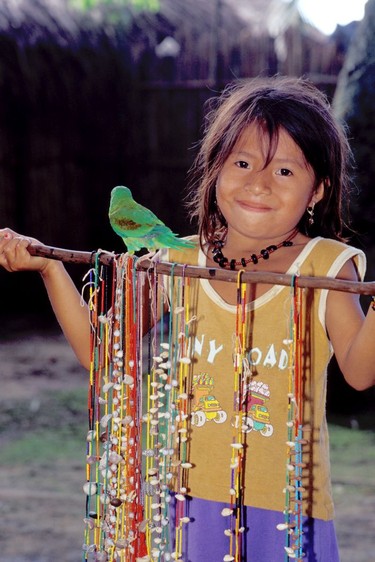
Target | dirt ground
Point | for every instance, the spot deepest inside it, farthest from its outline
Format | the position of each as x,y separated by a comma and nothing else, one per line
42,504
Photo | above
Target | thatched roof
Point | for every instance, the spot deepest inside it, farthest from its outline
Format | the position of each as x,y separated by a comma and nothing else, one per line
41,17
58,17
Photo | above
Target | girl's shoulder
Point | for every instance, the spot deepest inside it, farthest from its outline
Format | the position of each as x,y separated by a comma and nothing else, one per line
332,247
325,256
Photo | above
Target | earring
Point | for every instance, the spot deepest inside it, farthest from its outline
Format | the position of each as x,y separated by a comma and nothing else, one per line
310,211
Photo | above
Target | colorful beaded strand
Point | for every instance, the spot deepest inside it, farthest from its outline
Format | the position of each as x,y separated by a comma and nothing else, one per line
290,426
235,530
116,518
293,487
299,425
183,384
93,535
158,451
151,476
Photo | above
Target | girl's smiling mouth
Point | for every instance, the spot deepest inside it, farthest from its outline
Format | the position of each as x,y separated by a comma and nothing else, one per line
255,207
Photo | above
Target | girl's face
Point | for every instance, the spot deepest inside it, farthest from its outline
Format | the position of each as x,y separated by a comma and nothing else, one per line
265,203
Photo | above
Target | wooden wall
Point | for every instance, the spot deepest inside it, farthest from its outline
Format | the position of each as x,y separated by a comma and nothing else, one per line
84,108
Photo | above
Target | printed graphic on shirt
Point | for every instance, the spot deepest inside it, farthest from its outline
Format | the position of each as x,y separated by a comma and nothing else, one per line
206,407
257,416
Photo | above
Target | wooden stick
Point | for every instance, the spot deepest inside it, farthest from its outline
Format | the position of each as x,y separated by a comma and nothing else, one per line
71,256
218,274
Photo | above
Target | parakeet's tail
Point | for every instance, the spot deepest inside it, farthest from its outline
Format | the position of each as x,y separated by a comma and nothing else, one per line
163,237
180,243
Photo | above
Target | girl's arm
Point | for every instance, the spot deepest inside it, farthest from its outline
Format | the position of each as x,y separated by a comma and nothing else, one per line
72,315
352,333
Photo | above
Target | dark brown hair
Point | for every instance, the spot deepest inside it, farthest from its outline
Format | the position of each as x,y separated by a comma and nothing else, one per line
303,111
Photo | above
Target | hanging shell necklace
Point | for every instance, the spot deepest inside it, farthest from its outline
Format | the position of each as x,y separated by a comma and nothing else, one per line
264,254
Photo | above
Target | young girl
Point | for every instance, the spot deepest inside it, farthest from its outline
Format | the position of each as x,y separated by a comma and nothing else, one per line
272,173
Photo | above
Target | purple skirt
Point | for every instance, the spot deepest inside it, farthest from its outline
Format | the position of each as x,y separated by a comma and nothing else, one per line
204,539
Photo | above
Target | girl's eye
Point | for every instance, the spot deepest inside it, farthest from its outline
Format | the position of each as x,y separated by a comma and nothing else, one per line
242,164
284,172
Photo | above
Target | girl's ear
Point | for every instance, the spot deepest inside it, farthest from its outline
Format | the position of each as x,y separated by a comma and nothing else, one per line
318,193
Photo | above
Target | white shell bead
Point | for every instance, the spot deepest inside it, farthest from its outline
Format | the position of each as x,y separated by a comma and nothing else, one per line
114,458
90,488
166,365
185,360
107,386
226,511
105,419
178,310
158,359
237,445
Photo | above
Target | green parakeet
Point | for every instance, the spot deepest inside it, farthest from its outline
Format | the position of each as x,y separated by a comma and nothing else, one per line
138,226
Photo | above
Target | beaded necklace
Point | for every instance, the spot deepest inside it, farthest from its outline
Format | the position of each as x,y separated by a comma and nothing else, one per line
264,254
128,478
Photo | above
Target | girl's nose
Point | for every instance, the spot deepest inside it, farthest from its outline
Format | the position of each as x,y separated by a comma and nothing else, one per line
258,184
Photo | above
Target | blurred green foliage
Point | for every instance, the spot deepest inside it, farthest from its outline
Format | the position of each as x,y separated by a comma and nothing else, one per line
151,5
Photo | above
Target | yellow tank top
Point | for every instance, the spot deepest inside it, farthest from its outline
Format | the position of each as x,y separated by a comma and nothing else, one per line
212,392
